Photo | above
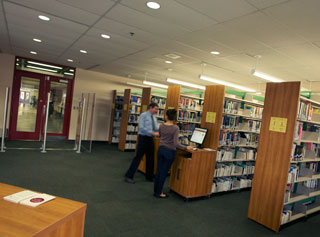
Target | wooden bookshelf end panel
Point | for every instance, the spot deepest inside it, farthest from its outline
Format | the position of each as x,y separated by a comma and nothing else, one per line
173,97
273,158
113,110
124,119
213,102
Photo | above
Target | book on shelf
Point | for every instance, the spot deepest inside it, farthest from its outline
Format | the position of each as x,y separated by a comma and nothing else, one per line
230,183
135,99
192,104
29,198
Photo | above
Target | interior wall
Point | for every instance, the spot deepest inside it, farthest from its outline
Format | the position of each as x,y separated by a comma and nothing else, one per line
102,84
6,77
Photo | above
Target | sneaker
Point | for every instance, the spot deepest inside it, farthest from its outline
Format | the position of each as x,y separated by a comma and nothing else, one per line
128,180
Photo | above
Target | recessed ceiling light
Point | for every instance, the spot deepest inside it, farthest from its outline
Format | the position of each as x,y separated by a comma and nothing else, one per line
215,52
105,36
33,52
153,5
44,18
37,40
167,61
69,60
83,51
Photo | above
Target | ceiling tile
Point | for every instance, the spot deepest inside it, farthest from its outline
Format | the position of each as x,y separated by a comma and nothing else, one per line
260,4
99,7
220,10
145,22
172,12
58,9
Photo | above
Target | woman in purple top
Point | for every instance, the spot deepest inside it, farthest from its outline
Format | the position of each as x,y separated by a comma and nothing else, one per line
168,132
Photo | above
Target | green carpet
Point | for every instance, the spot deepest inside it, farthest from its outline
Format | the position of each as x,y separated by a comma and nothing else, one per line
116,208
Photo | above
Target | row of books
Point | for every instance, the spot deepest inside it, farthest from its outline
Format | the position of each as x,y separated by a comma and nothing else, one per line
302,170
187,129
255,112
130,146
119,99
132,128
233,122
117,116
116,124
135,109
233,169
231,106
187,103
135,99
230,122
131,137
305,110
230,183
230,154
133,118
160,101
238,138
301,189
189,116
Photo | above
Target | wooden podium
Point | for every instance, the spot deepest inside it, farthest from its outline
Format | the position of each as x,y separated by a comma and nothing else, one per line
59,217
142,166
192,173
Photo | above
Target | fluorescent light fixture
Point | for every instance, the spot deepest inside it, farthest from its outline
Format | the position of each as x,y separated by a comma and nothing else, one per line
304,89
44,18
205,78
215,52
169,62
69,60
37,40
153,5
43,64
71,70
105,36
33,52
40,68
83,51
258,93
68,73
135,84
183,83
266,77
155,84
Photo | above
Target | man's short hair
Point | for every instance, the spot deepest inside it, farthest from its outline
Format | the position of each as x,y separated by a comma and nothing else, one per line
152,105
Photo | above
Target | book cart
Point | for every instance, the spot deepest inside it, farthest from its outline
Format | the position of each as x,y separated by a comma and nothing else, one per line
285,186
115,119
129,121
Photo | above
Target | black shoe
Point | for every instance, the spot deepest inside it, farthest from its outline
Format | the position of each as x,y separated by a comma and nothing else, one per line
128,180
150,179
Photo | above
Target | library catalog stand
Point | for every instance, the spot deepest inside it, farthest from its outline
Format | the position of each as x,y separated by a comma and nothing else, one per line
59,217
285,186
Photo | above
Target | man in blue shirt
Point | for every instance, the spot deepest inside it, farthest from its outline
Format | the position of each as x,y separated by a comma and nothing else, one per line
148,128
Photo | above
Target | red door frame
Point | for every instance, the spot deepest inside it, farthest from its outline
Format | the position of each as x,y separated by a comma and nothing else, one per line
44,88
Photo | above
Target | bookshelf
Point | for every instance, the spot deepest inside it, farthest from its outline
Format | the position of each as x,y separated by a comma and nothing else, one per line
189,112
287,168
115,119
129,121
233,127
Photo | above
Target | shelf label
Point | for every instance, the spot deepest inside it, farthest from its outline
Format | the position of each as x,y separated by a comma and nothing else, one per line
171,107
316,111
278,124
125,106
211,117
144,108
113,106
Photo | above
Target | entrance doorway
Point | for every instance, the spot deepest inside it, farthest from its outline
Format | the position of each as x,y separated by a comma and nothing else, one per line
29,101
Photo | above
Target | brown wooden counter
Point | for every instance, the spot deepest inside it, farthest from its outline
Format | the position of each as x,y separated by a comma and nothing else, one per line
192,173
59,217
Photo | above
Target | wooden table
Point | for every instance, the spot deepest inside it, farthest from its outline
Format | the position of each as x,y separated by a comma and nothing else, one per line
59,217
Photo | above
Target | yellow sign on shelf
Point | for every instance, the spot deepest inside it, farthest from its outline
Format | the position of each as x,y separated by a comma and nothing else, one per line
125,106
316,111
211,117
144,108
113,106
278,124
171,107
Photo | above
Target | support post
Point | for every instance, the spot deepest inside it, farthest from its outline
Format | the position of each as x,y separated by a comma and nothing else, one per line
46,125
4,120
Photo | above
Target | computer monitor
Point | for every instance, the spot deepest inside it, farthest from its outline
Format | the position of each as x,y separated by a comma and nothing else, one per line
198,135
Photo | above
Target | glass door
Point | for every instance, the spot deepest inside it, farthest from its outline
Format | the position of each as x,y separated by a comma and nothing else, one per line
29,101
27,106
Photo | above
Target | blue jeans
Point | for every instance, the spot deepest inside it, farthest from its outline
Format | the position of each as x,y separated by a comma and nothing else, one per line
165,159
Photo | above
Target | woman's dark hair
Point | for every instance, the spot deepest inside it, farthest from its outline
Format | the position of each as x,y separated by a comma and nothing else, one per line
172,114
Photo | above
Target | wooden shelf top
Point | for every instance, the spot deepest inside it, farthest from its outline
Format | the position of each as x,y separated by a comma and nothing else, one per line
305,160
311,101
249,146
190,110
308,121
185,121
233,175
243,116
191,97
235,160
239,130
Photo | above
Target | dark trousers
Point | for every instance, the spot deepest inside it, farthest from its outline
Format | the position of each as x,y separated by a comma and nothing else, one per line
165,159
145,146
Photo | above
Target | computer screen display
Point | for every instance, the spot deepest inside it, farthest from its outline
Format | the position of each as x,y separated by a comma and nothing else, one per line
198,135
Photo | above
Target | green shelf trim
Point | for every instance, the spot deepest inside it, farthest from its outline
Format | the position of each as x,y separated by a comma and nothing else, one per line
306,94
256,97
234,92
